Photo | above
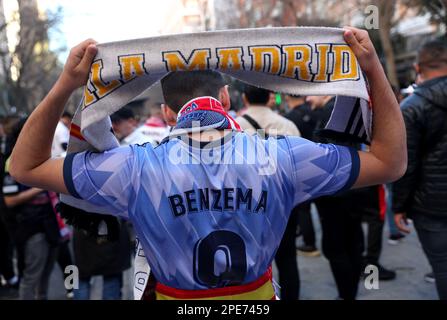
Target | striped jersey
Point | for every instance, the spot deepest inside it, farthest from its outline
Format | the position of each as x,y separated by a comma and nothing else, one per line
210,215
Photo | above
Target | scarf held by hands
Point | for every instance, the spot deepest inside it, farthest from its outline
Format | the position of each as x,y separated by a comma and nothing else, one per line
292,60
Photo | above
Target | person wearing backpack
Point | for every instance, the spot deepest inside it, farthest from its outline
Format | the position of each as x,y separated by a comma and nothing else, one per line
259,116
421,194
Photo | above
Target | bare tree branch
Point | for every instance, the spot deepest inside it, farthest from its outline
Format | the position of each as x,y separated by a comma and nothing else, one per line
29,71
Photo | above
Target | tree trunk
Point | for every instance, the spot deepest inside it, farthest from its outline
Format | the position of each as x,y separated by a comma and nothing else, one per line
444,15
386,13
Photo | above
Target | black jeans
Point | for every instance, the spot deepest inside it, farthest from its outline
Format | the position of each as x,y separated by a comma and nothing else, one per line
305,223
342,242
6,252
286,261
374,238
432,233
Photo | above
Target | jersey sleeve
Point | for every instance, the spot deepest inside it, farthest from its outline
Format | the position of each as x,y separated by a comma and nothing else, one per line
321,169
103,179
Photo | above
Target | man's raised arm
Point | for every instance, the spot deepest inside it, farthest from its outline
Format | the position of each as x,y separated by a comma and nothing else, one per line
31,162
387,159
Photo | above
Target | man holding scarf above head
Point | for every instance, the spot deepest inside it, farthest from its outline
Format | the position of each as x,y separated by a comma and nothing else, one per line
209,214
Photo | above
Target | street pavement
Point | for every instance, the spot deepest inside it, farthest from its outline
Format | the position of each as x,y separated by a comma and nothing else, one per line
406,258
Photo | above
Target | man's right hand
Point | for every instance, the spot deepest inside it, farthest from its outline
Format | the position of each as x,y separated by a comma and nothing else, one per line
77,66
401,222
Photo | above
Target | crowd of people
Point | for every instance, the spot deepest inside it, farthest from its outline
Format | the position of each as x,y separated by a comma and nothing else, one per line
36,231
35,236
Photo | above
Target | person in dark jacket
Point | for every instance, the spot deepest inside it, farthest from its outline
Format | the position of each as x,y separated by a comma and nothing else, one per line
6,243
257,117
341,217
108,259
33,225
102,247
422,192
342,236
302,116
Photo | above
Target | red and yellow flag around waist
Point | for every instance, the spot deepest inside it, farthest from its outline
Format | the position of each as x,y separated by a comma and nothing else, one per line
260,289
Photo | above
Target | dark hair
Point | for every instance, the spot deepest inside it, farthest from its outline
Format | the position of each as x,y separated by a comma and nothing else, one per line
67,114
18,128
180,86
296,96
256,95
15,131
433,55
124,113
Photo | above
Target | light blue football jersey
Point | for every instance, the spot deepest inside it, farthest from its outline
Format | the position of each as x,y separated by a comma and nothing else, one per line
210,215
